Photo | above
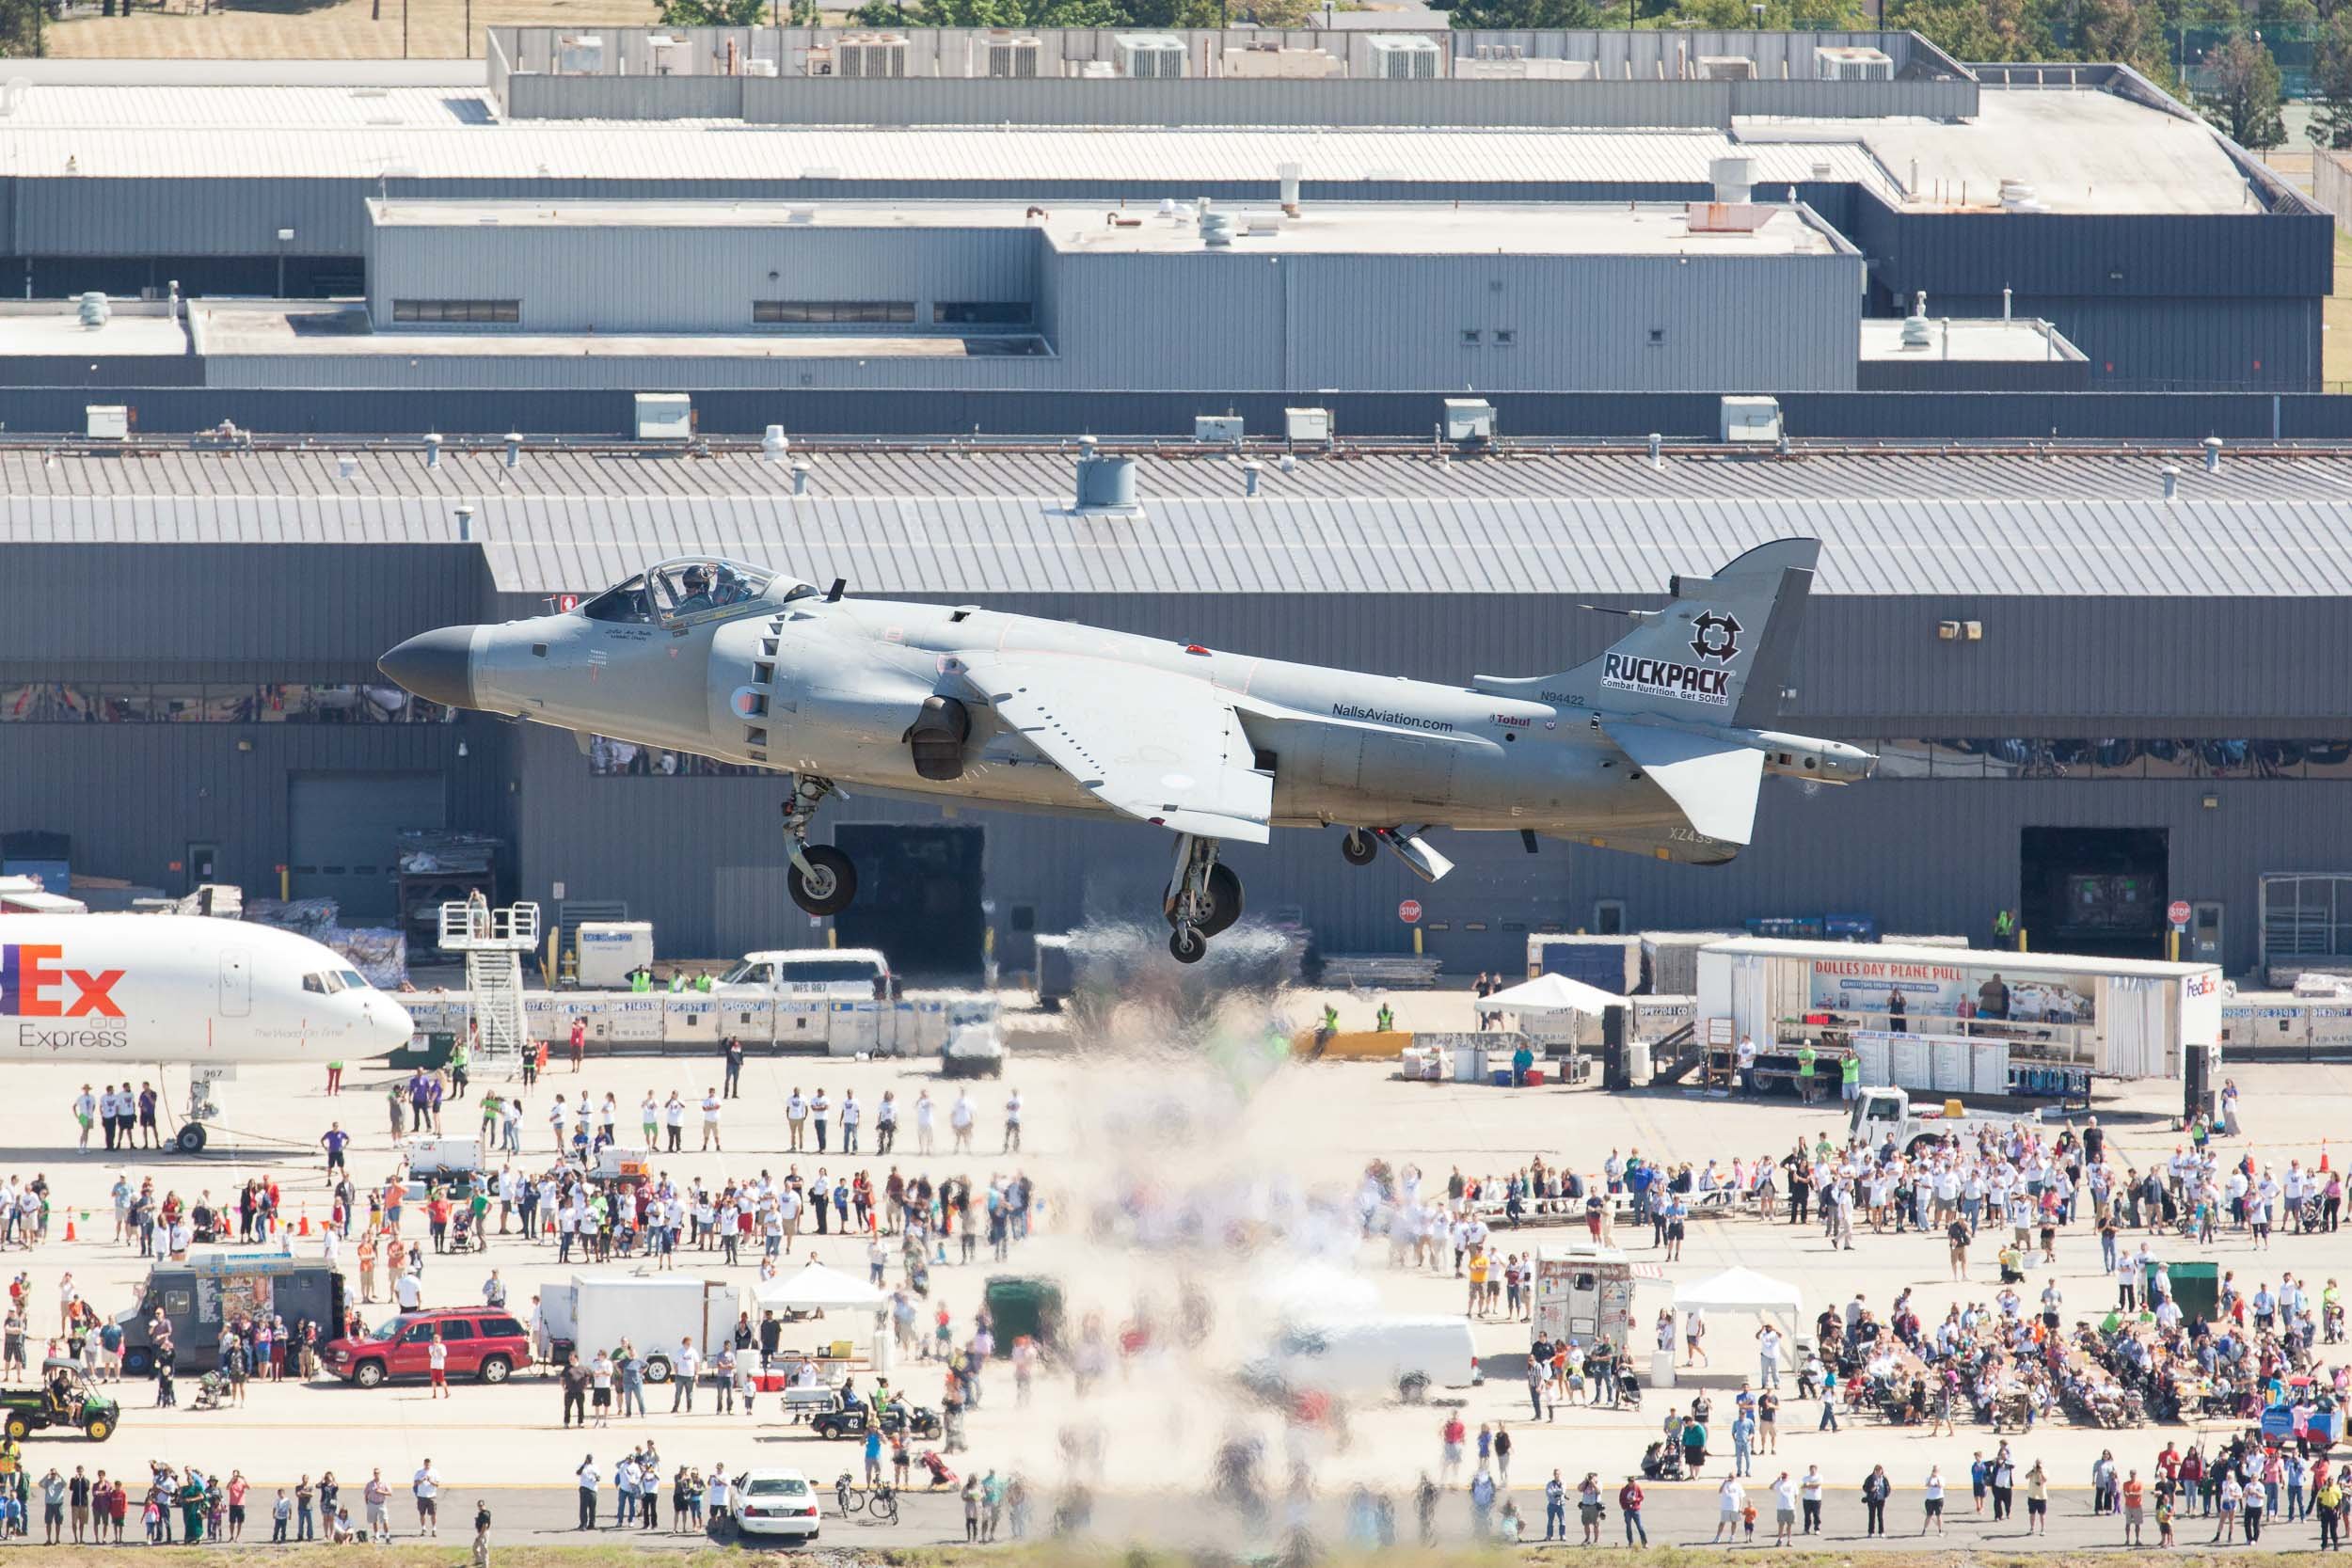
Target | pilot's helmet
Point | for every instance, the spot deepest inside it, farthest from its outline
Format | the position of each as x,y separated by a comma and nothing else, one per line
696,579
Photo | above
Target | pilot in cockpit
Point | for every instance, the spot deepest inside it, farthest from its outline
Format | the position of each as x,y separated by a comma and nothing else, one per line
698,595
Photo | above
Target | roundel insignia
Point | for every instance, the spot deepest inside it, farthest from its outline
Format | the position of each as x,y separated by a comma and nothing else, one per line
1715,635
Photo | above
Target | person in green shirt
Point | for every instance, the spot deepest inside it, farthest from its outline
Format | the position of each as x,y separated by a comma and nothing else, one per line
1384,1020
1805,1072
1850,1078
641,982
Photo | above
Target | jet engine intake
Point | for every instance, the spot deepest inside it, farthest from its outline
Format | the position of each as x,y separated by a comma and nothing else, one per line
937,735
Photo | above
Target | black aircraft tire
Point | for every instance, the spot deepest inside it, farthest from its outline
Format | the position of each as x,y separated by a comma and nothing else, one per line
1224,899
1188,945
1359,849
835,884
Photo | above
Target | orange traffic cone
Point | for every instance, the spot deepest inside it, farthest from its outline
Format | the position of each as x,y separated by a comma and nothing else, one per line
2323,1154
305,1217
69,1228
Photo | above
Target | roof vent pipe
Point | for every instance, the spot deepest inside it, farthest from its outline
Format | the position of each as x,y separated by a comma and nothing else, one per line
2005,302
175,300
1105,484
94,311
799,477
514,448
772,446
1288,174
1657,450
465,522
432,451
346,467
1734,179
1249,472
2171,482
2213,454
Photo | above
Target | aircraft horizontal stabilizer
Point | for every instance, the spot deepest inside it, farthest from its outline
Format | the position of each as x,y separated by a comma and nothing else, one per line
1713,783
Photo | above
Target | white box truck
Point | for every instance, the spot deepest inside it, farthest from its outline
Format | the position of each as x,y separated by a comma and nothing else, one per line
653,1313
609,951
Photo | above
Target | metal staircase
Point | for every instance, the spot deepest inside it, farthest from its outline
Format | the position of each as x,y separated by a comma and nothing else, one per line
494,943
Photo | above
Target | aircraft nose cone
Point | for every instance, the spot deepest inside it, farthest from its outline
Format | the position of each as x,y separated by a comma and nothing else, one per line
390,1022
436,665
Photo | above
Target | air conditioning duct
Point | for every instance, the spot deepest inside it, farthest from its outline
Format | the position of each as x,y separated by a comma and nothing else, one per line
937,737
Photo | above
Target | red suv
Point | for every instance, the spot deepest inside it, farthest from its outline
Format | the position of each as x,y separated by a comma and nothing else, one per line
483,1342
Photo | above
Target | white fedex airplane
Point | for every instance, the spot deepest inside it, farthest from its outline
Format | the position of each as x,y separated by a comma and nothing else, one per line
142,988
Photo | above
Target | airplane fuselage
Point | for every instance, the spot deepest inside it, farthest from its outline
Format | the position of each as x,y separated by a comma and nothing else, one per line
843,679
136,989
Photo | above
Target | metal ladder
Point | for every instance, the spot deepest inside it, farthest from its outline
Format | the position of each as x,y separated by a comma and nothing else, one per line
494,942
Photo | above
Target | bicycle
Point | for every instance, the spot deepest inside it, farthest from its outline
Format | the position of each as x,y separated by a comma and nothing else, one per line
880,1500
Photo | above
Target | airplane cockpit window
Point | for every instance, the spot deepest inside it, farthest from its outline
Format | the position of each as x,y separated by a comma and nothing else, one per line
625,603
351,979
315,984
684,589
330,981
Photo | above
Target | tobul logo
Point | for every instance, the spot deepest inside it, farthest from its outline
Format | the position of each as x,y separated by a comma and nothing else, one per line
33,984
1660,677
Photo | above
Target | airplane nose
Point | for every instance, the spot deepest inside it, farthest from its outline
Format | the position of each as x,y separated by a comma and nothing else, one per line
390,1024
436,665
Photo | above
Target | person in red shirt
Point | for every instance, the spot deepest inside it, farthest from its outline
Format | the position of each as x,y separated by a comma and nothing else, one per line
1629,1504
579,1041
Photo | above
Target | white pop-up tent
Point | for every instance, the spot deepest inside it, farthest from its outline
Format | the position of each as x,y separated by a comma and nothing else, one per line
1551,993
1748,1293
817,1289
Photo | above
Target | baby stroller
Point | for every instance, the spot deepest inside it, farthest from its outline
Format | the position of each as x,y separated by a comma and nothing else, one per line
1629,1393
938,1474
461,1231
209,1391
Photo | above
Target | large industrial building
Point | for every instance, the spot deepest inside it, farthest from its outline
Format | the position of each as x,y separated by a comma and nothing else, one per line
969,230
2099,679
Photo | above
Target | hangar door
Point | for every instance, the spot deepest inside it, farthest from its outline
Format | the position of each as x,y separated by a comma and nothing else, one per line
343,832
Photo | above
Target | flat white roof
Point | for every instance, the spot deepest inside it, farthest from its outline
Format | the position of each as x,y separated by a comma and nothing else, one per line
263,328
1384,228
1972,958
1973,339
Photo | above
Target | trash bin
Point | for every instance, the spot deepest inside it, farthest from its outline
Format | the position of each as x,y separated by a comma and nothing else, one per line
2196,1288
1023,1303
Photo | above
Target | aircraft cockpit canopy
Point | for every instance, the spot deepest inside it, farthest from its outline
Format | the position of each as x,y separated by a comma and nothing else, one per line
690,588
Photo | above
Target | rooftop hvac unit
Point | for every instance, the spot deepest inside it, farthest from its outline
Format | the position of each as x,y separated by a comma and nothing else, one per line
1011,56
819,61
1838,63
879,54
1725,68
664,417
1403,56
580,56
1153,55
1750,419
1270,62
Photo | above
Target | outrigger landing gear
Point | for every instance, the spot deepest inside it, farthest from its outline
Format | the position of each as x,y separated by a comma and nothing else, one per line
1358,848
821,879
1203,899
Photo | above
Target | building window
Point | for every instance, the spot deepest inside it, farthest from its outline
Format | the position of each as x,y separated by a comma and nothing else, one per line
469,313
1658,337
832,312
1506,335
2200,759
1470,336
981,312
157,703
625,759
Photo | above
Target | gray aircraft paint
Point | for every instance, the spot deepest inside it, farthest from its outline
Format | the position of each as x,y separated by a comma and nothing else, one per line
830,688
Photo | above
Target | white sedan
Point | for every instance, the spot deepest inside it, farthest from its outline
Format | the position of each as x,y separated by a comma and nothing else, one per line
776,1502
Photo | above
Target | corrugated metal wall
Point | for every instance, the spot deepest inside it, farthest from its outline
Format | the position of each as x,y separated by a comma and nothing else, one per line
681,278
1860,848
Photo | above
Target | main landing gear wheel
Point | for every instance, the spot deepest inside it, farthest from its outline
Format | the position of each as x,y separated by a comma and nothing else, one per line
191,1139
1223,890
828,884
1358,848
1186,945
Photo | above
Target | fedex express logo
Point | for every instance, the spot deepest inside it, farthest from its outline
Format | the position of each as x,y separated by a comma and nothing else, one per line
32,984
2200,985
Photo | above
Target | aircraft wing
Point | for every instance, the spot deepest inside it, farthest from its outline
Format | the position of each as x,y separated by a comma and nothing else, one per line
1159,747
1714,783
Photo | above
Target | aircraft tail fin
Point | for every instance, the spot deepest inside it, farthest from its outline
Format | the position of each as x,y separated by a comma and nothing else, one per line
1718,654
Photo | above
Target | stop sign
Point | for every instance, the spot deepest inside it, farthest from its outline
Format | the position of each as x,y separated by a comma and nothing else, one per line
1409,910
2178,911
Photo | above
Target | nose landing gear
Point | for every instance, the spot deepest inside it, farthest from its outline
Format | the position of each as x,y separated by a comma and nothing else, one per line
1203,899
1358,848
822,879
